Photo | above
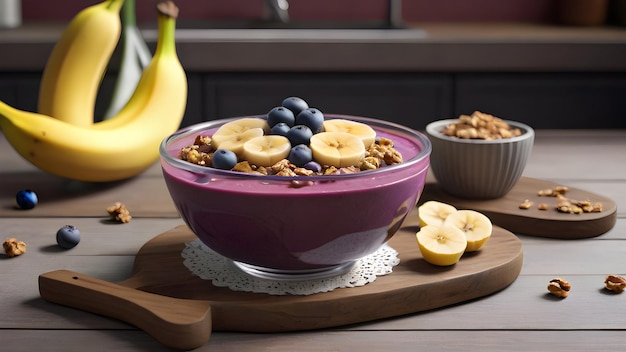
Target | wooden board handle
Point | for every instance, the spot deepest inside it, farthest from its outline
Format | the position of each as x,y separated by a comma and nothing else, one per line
178,323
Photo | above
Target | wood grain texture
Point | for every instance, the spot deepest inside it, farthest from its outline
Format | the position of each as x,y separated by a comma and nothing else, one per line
505,211
413,286
176,323
332,340
521,317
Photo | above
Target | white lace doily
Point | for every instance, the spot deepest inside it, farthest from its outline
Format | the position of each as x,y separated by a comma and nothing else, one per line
209,265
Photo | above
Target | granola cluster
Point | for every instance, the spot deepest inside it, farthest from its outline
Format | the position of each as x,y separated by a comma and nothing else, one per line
480,125
379,154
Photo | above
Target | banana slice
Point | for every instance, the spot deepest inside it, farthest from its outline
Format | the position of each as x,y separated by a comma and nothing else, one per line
266,150
234,134
434,213
361,130
441,245
339,149
476,226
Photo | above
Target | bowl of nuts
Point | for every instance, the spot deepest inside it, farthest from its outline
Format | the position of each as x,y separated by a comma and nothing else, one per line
479,156
281,212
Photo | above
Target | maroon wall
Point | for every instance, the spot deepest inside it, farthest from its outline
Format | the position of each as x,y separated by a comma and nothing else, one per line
413,10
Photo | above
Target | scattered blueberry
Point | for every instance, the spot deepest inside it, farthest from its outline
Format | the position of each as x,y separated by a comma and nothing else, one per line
311,118
26,199
300,155
313,166
68,237
224,159
280,114
280,129
299,134
295,104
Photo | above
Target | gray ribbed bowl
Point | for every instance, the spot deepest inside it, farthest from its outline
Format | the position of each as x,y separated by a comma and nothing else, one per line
477,168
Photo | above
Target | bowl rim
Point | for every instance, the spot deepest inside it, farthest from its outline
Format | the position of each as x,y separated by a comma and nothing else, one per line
434,129
178,163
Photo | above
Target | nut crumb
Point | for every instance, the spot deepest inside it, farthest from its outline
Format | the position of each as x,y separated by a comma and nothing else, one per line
526,204
13,247
559,287
119,212
568,205
615,283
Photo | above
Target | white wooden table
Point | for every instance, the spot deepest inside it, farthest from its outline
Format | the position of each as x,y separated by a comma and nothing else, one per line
521,317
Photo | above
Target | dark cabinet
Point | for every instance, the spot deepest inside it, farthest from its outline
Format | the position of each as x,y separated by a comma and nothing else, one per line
546,100
542,100
409,99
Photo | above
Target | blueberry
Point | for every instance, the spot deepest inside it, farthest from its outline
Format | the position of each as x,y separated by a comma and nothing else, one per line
311,118
280,129
26,199
299,134
280,114
224,159
300,155
68,237
295,104
313,166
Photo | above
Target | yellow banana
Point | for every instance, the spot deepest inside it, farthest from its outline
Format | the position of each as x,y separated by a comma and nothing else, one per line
72,76
151,82
98,154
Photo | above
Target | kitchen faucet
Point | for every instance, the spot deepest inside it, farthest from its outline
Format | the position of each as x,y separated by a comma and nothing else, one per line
278,11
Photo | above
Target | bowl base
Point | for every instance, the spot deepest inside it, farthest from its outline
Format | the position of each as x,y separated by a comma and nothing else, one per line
293,275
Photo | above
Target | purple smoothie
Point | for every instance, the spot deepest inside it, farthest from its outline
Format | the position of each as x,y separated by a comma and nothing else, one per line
264,221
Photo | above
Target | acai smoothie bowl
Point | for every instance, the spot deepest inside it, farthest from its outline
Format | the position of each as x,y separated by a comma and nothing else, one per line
299,209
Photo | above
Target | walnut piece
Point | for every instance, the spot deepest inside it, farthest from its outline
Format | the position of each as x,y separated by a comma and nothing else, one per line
559,287
526,204
567,205
615,283
119,212
13,247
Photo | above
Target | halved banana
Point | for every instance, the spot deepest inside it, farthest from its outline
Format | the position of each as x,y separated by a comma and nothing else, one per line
338,149
361,130
434,212
266,150
234,134
441,245
475,225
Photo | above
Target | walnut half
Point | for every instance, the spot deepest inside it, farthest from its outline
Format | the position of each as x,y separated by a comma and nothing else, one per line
559,287
615,283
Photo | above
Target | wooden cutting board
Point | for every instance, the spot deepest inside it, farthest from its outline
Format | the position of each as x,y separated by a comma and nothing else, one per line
505,211
180,310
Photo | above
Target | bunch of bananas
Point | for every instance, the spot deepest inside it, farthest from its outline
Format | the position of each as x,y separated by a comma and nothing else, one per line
62,138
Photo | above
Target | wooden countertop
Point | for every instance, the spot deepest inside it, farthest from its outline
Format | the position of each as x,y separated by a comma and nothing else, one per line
447,47
522,317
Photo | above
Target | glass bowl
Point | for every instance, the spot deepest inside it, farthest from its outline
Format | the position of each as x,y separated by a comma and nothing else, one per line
274,227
